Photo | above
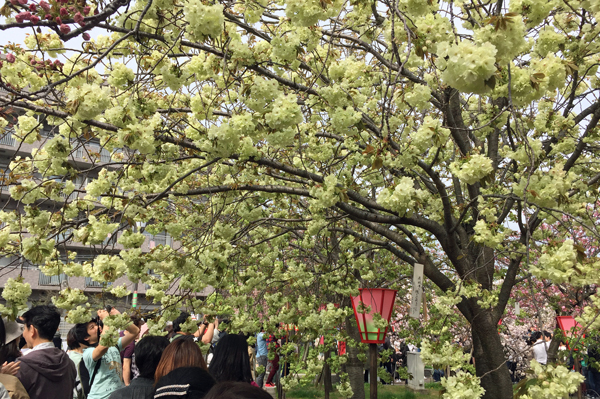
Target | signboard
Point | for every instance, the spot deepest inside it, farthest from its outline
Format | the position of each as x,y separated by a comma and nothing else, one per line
417,291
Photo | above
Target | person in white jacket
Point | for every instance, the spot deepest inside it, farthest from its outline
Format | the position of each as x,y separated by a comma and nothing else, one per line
540,347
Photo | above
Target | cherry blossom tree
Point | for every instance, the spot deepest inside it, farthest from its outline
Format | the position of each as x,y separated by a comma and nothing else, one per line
366,136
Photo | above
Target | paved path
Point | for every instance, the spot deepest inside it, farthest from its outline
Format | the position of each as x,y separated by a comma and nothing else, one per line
272,391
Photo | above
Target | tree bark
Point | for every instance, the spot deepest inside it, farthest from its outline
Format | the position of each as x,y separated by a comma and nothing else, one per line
354,367
490,361
554,344
327,373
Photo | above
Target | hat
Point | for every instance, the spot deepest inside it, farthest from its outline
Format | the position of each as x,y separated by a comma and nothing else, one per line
184,382
13,330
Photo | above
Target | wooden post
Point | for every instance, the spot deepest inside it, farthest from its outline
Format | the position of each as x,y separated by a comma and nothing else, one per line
578,370
373,371
326,373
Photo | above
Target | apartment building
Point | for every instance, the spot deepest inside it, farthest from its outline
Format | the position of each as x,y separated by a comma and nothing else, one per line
85,156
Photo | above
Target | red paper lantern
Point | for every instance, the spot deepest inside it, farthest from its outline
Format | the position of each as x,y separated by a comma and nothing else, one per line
568,325
380,301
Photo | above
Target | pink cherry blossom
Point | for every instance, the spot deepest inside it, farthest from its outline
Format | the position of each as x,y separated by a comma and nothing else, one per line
23,2
63,12
45,6
86,36
32,7
10,58
79,18
35,19
23,16
64,29
86,10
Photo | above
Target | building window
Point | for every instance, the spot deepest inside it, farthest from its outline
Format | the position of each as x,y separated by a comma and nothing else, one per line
81,258
52,280
6,137
157,239
104,155
11,261
64,235
89,283
111,239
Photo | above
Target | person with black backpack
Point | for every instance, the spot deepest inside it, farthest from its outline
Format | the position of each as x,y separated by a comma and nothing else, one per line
101,365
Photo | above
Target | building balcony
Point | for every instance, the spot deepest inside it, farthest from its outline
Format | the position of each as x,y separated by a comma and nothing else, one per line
58,281
7,139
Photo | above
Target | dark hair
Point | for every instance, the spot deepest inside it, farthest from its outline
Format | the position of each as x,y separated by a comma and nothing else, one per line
180,320
10,352
547,334
80,331
2,333
57,340
136,320
72,342
183,352
230,360
2,340
45,318
535,336
236,390
147,354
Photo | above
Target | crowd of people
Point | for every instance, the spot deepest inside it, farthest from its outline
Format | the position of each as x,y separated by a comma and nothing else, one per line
140,366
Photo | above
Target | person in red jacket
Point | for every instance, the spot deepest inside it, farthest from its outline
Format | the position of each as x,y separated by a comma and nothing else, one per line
46,372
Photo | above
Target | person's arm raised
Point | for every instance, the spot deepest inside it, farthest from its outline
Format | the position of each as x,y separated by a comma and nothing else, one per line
208,335
98,352
131,332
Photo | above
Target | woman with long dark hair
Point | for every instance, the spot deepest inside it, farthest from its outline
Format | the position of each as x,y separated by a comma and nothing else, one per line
231,361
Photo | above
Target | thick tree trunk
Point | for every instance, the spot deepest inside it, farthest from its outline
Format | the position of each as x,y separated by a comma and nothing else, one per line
555,343
327,374
490,361
354,367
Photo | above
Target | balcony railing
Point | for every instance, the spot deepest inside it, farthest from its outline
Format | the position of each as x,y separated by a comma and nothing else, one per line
6,138
160,239
157,239
89,283
69,197
52,280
